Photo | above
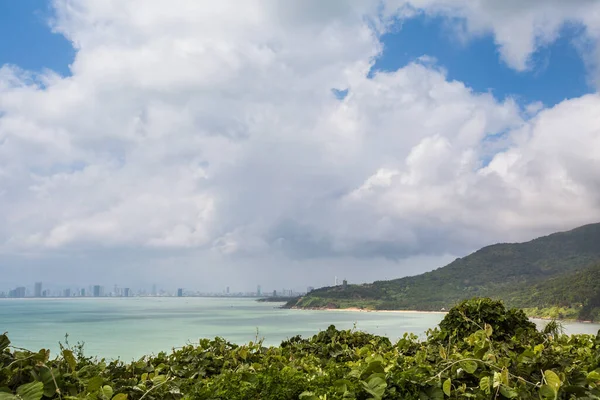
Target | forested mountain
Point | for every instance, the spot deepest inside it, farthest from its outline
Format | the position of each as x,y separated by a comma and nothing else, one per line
541,273
572,295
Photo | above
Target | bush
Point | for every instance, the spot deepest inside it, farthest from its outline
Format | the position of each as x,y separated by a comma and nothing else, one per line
472,315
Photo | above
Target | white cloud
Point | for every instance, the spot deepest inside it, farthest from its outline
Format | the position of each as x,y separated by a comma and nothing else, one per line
212,127
546,180
519,27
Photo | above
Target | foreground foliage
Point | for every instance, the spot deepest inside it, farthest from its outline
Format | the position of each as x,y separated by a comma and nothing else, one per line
479,351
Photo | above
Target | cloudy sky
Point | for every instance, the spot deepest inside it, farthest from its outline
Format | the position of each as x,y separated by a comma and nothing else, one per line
201,144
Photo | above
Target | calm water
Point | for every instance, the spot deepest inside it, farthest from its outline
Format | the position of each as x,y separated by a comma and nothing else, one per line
131,327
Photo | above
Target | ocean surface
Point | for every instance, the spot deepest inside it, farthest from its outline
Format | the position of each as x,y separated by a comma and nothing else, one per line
128,328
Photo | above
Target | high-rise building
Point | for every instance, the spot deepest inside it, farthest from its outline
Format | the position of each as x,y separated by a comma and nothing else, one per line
67,293
274,293
153,290
258,291
38,289
180,292
97,290
345,283
126,292
17,293
82,292
227,291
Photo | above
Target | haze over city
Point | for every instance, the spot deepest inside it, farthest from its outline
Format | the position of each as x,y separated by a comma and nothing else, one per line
41,291
222,144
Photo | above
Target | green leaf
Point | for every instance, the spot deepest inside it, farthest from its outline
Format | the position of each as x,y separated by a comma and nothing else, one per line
48,381
484,384
488,330
70,359
547,393
341,385
31,391
594,376
106,392
43,355
375,386
447,387
497,379
508,392
552,380
94,384
374,367
8,396
120,396
504,377
436,394
443,353
469,366
308,396
538,348
4,342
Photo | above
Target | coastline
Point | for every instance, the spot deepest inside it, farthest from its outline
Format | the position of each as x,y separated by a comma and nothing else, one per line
579,321
356,309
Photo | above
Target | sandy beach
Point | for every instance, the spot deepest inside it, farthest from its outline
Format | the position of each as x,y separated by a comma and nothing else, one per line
356,309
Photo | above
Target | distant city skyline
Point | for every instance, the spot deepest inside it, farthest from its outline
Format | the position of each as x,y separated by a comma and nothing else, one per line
94,291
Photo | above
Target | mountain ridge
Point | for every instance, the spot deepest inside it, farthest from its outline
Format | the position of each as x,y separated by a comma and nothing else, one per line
505,271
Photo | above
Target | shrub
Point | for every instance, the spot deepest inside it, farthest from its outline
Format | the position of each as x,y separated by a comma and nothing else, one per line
472,315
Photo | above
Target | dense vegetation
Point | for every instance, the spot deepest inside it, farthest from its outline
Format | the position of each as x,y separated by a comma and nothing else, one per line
275,299
537,275
572,295
479,351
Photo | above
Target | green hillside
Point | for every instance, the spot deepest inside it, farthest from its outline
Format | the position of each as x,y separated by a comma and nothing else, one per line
520,273
571,295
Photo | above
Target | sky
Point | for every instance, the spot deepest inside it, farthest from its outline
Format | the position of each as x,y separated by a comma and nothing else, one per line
205,144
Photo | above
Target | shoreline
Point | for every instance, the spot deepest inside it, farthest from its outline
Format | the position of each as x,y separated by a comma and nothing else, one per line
356,309
579,321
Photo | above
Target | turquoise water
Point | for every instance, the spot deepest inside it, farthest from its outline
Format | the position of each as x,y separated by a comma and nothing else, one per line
131,327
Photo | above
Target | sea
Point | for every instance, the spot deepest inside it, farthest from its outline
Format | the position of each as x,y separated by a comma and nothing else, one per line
128,328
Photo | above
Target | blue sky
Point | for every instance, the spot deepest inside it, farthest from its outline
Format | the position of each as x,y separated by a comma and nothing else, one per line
28,41
558,72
